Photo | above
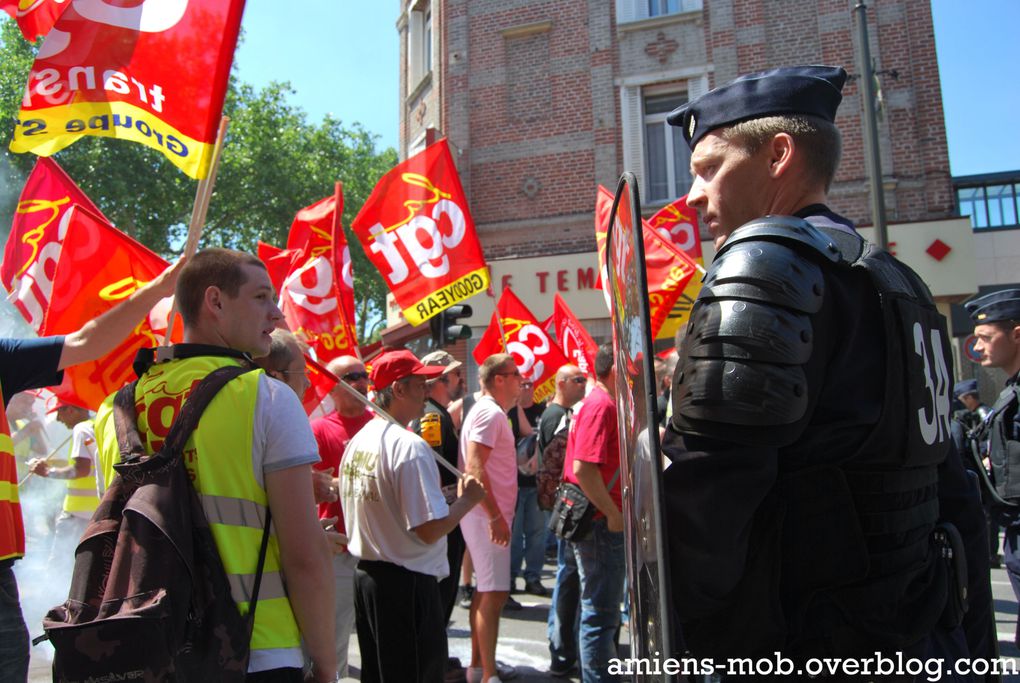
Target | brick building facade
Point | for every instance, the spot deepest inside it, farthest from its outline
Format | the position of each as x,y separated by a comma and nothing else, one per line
543,100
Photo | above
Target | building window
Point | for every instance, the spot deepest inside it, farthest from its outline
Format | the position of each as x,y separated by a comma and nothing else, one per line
419,43
667,157
657,8
636,10
990,206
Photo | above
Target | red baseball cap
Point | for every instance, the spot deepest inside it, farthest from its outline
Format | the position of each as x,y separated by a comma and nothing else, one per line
394,365
61,402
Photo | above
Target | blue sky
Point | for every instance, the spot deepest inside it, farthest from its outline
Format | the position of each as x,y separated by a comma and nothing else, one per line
342,58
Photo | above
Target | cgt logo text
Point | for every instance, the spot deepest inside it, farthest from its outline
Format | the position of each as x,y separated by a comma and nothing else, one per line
136,675
114,125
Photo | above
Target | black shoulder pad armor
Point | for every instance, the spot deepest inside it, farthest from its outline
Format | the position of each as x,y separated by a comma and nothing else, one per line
750,331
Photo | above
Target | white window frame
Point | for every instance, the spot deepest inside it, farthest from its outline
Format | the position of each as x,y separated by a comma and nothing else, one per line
632,118
673,174
419,43
638,10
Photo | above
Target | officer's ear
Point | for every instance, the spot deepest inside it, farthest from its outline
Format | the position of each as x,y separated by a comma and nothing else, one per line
781,150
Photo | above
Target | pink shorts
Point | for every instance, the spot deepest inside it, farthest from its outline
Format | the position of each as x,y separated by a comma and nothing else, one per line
491,562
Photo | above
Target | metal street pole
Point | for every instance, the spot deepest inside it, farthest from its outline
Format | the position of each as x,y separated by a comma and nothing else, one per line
867,79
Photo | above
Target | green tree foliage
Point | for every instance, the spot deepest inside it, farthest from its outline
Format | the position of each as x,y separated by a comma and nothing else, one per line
274,163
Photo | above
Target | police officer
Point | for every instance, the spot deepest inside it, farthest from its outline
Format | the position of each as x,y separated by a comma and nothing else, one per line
811,401
996,319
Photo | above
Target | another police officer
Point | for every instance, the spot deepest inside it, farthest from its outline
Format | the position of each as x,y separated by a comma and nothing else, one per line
996,319
811,401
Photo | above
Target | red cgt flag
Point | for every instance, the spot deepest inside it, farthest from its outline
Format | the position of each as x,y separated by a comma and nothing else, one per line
322,382
35,17
417,230
316,229
667,269
306,277
33,247
99,266
678,223
575,341
151,72
537,356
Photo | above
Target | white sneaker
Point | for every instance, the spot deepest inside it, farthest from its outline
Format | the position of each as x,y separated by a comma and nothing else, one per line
473,674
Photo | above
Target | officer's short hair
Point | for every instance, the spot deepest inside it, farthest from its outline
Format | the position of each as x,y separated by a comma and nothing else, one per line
491,366
818,140
604,360
222,268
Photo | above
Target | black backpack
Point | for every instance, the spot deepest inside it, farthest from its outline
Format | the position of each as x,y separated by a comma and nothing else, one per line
149,597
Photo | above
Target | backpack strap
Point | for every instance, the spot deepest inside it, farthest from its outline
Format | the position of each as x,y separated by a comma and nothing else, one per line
130,443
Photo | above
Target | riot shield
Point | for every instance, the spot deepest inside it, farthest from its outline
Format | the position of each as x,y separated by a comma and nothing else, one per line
640,460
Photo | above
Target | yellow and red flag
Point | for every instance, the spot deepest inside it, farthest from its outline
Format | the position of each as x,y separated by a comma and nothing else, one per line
417,230
537,356
321,382
667,269
98,267
151,72
33,247
678,223
577,344
317,304
35,17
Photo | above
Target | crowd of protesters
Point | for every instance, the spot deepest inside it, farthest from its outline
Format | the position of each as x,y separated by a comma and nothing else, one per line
394,524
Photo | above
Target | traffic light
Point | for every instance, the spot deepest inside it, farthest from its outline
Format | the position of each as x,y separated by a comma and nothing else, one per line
445,328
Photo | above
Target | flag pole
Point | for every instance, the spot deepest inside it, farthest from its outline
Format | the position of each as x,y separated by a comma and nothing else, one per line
499,320
383,414
338,201
47,458
203,194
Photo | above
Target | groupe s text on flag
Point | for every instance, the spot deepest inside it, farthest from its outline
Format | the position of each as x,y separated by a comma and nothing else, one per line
536,355
667,269
40,222
151,71
99,267
574,340
310,285
678,223
34,17
417,230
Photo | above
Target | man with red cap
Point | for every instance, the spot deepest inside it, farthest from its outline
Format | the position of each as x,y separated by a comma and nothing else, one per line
397,520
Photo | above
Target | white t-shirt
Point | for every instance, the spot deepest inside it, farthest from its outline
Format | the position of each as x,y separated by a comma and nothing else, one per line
281,438
83,446
389,485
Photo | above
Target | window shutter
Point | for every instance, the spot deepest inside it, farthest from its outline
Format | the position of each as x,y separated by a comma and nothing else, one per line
633,133
631,10
697,86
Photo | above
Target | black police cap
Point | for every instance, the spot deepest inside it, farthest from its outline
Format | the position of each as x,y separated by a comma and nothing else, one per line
967,386
808,90
995,307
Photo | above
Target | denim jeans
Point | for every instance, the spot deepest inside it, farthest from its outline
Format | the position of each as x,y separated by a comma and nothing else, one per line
601,566
527,539
13,632
563,613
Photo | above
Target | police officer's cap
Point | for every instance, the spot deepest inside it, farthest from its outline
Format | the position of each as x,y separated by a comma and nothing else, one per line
807,90
967,386
995,307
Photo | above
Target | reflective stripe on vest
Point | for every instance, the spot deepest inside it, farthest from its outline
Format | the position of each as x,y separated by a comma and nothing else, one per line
12,528
81,494
219,459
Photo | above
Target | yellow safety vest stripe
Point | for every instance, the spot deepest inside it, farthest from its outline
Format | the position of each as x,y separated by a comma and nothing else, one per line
12,528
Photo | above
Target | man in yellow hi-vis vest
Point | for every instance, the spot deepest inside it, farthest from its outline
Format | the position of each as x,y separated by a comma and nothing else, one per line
83,489
249,456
